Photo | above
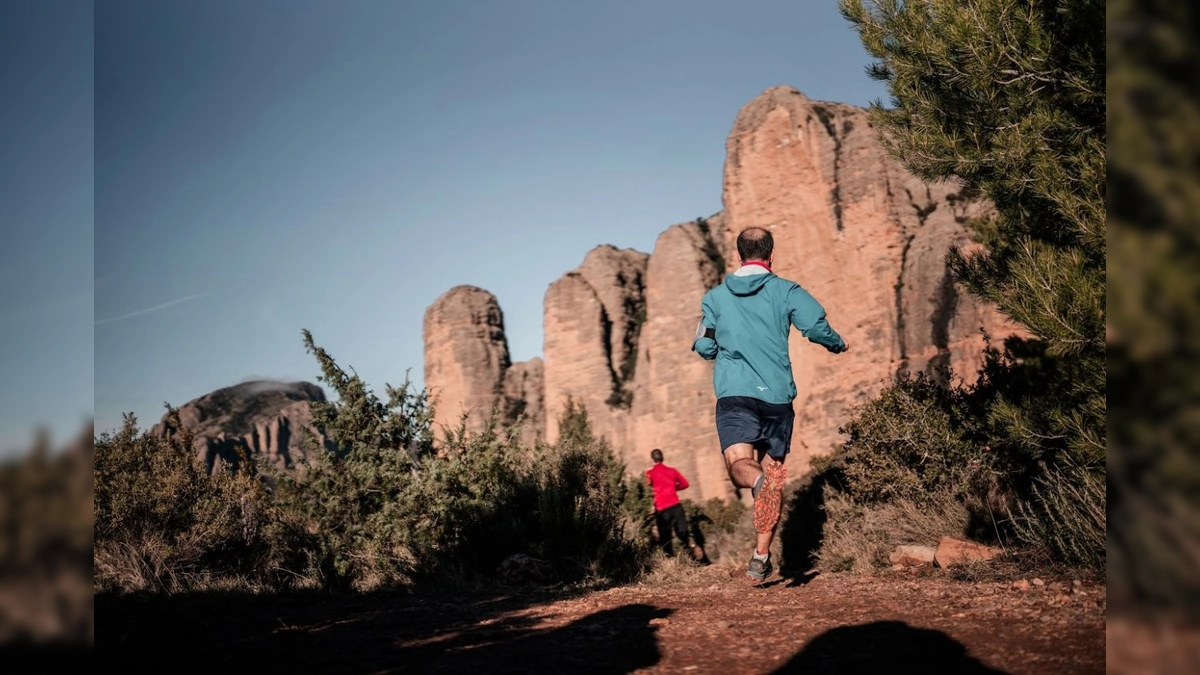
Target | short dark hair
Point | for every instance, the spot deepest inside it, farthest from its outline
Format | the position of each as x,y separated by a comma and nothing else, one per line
755,243
656,455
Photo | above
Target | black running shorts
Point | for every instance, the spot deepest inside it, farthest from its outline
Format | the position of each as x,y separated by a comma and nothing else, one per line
766,426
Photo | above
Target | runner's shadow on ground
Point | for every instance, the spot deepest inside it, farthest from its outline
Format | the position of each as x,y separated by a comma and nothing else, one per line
890,647
369,633
803,529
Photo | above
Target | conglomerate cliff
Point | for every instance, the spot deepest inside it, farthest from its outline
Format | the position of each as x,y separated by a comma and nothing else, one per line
864,236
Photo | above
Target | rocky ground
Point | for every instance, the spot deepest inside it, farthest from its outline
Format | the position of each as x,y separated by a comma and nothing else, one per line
698,620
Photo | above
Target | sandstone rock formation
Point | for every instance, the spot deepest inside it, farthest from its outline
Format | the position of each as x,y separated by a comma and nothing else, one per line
468,369
673,398
524,384
618,340
264,417
864,236
592,319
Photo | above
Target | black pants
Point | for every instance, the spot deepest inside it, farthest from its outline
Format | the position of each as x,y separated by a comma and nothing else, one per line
671,519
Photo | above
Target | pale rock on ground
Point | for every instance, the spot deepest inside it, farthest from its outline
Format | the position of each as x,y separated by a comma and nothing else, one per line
912,556
953,551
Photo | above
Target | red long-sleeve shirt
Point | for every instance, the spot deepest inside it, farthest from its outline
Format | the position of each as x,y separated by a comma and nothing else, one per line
665,481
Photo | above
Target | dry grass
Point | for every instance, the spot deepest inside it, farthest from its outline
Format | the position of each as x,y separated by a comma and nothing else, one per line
1068,516
727,529
855,538
154,565
859,538
668,571
149,565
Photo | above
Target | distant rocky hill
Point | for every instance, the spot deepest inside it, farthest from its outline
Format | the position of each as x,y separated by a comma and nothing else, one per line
866,237
265,417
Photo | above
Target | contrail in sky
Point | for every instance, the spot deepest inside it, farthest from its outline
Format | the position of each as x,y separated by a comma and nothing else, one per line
177,301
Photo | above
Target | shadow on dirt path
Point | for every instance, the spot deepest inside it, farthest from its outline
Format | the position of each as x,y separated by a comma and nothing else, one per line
707,619
390,633
618,640
890,647
803,529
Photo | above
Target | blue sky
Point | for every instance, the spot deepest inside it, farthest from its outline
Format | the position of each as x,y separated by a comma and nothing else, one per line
263,167
46,179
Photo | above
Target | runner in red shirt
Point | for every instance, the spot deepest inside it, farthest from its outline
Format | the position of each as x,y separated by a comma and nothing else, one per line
668,512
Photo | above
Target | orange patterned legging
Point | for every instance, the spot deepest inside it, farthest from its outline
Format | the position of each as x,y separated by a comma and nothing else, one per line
769,503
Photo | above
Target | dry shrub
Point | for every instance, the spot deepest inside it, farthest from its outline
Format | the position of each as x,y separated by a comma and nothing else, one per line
925,446
858,538
163,523
1067,516
666,571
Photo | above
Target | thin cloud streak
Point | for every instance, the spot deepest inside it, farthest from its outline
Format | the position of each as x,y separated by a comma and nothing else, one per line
140,312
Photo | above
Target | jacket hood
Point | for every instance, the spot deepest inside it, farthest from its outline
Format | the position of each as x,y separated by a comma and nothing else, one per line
748,284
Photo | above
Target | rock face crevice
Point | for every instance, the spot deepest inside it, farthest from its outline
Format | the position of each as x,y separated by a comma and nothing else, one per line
865,237
898,287
593,319
835,196
712,237
523,398
945,305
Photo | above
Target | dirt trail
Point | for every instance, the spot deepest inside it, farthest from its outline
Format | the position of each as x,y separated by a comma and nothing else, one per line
706,620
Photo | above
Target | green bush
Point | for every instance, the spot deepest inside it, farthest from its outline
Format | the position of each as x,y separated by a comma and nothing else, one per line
1066,516
716,515
917,439
46,508
590,515
162,522
390,508
384,519
46,544
954,450
384,507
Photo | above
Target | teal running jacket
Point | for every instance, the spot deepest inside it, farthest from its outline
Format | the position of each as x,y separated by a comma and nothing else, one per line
745,327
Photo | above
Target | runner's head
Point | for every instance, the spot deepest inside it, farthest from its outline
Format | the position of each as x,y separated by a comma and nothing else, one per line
755,244
656,455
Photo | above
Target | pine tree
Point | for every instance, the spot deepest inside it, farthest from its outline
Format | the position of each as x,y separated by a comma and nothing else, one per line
1007,98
